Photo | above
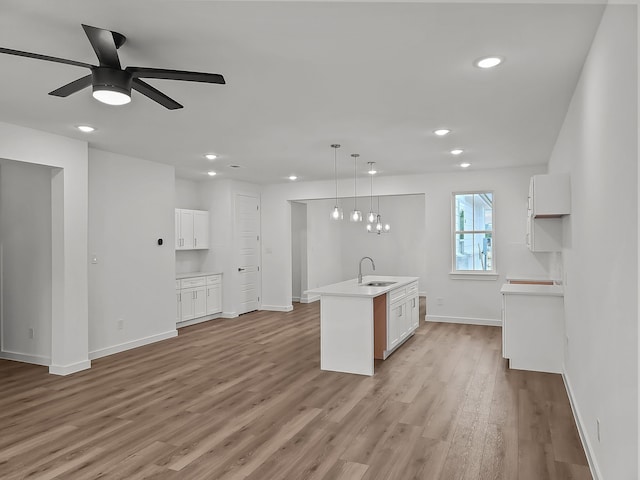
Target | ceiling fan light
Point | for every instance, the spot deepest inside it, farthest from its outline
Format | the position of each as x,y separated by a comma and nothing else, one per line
110,96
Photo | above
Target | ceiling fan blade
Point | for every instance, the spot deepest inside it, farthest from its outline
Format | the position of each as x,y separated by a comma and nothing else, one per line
72,87
154,94
37,56
143,72
104,44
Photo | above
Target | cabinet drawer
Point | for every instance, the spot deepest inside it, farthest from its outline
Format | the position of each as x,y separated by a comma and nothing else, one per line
213,279
397,294
193,282
412,289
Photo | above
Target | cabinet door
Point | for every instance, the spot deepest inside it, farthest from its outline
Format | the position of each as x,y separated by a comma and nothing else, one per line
179,306
214,299
200,302
178,238
187,296
394,329
186,229
414,307
200,229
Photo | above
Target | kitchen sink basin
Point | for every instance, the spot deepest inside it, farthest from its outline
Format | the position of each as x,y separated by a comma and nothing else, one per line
377,284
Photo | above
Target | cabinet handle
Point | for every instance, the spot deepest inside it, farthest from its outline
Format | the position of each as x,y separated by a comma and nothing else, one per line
399,311
195,242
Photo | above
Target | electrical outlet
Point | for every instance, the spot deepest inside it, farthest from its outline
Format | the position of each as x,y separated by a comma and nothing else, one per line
120,324
32,333
439,301
598,428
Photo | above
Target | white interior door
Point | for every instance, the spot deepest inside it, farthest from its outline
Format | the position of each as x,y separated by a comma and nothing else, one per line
248,252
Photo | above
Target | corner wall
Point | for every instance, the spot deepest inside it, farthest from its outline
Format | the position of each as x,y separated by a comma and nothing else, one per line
598,147
69,200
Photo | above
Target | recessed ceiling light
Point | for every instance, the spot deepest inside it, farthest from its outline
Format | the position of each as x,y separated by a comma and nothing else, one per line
211,173
488,62
85,128
210,156
442,132
293,177
465,165
456,151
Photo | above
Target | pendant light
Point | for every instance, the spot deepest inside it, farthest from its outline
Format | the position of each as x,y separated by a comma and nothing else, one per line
371,217
336,213
378,227
356,215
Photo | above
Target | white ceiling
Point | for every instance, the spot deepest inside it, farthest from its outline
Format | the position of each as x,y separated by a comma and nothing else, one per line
376,77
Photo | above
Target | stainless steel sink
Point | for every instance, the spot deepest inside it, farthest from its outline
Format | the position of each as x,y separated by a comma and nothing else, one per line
378,284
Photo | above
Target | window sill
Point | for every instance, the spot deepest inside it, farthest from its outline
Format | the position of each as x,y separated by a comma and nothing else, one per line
473,276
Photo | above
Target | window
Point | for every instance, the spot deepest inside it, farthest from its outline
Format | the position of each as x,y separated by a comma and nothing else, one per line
473,232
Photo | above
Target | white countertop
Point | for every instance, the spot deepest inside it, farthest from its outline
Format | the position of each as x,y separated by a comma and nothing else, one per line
350,288
531,278
180,276
528,289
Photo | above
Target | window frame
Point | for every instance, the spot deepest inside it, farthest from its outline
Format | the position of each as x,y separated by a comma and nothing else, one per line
473,274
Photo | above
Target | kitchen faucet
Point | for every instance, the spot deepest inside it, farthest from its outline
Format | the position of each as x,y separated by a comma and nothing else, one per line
360,268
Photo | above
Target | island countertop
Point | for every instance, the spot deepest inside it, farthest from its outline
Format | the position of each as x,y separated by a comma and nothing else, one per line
351,288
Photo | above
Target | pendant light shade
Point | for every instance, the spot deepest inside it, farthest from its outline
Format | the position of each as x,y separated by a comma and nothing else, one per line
336,213
378,226
356,215
371,216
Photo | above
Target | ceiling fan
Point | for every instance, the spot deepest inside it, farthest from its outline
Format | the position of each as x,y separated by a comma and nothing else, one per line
111,83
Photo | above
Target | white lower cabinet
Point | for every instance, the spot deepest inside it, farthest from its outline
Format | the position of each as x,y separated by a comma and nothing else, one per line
533,327
214,294
402,315
199,297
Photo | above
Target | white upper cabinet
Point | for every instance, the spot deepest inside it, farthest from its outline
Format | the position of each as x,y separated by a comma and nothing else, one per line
192,229
200,229
549,196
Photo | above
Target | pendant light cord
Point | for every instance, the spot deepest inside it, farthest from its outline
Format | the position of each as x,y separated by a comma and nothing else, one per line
335,147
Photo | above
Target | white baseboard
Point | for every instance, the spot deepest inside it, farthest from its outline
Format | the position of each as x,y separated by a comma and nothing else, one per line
295,299
465,320
103,352
229,315
26,358
69,369
586,444
195,321
309,298
277,308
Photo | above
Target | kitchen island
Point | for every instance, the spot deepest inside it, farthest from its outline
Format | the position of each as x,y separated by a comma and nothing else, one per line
360,322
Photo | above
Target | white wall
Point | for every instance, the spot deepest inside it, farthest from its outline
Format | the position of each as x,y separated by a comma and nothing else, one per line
131,206
482,298
598,147
25,261
69,205
324,244
187,194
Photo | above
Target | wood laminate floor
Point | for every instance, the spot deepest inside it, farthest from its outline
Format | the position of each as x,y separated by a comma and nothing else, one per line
245,399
